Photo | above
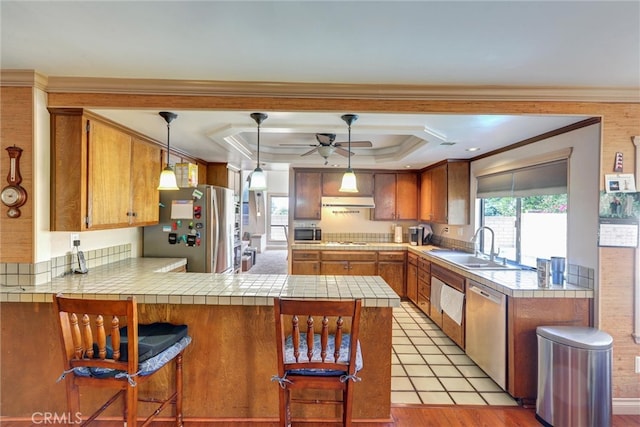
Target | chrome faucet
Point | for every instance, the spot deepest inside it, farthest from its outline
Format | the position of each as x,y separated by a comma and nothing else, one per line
492,252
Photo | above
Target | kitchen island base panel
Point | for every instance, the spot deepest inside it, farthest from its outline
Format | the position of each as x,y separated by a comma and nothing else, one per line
227,372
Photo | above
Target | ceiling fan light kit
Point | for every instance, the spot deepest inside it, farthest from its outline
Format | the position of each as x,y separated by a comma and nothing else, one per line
168,179
327,145
258,181
349,183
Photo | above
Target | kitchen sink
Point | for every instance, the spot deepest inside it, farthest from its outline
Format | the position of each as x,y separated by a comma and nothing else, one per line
470,261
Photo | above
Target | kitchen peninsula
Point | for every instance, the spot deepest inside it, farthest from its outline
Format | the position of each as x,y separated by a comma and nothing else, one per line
228,367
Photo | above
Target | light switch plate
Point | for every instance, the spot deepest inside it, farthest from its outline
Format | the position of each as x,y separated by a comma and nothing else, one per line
637,364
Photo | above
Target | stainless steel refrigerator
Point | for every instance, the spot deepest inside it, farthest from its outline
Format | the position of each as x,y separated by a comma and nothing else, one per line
199,224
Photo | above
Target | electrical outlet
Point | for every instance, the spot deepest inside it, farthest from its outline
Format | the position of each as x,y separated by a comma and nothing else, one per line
73,237
637,364
446,230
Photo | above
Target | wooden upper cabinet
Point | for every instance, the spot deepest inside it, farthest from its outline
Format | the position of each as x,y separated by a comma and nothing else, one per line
439,193
395,196
109,177
444,193
308,195
425,195
102,176
146,166
407,196
223,175
331,182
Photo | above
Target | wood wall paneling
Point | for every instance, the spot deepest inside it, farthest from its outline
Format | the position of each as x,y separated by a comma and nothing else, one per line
17,128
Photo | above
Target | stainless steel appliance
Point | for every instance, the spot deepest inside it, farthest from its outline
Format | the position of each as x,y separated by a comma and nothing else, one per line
486,331
416,235
307,234
198,224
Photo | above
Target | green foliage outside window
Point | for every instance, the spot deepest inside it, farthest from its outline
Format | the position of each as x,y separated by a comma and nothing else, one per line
506,206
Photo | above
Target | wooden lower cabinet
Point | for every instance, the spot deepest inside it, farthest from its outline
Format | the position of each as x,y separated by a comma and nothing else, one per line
305,262
412,277
524,315
348,263
424,285
391,267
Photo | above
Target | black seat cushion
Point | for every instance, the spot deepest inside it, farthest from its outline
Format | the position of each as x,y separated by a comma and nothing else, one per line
153,339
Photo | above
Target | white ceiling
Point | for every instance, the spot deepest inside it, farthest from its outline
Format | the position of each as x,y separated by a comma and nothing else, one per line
546,44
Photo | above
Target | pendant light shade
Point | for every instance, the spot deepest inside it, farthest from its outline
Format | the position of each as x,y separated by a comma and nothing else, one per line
168,177
349,184
257,180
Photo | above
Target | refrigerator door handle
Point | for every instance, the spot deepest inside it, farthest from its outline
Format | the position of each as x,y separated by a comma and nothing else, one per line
215,243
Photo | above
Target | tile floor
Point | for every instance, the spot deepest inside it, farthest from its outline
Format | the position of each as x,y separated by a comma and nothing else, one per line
429,368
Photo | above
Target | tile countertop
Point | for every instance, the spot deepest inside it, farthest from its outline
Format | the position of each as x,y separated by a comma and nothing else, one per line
151,281
513,283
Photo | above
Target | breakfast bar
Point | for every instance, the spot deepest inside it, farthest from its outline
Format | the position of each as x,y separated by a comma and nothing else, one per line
229,365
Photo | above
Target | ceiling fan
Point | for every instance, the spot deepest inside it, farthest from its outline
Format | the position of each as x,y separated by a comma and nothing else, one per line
327,146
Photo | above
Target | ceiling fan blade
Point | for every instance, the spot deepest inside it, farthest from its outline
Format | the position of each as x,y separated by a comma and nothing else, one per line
354,144
297,145
344,152
309,152
325,138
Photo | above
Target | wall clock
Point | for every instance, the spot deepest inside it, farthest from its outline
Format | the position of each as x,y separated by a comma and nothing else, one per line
13,195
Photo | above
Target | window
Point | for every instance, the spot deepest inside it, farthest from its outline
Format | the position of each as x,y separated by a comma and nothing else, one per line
278,218
524,207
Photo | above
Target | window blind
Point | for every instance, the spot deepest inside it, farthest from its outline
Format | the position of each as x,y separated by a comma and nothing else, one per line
545,178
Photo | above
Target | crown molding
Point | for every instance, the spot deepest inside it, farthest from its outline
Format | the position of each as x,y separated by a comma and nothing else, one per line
61,84
24,78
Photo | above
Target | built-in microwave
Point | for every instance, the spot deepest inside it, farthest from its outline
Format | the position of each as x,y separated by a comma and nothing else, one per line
305,234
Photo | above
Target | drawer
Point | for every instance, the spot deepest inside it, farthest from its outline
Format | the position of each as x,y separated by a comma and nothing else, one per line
391,256
412,258
424,289
349,256
424,276
424,304
424,264
305,255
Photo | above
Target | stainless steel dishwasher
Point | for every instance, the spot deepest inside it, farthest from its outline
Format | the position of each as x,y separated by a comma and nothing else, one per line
486,331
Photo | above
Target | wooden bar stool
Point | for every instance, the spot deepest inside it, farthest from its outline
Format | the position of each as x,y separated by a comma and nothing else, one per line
328,356
120,359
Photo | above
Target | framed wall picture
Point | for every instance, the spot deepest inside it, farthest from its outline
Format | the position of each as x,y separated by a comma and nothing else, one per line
620,183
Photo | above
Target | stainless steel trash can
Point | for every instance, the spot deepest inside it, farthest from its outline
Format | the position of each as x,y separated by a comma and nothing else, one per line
574,376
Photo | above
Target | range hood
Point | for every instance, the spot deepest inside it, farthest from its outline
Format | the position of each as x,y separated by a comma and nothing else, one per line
348,202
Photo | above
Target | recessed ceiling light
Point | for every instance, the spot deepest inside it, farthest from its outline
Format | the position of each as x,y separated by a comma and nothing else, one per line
473,149
408,166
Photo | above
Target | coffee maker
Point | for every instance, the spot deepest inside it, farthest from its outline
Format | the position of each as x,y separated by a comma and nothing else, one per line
416,235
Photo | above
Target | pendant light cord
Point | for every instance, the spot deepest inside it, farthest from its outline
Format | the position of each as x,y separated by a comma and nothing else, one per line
258,155
168,141
349,158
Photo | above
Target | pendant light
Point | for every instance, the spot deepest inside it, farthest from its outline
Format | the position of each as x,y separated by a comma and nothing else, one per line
349,184
168,177
258,181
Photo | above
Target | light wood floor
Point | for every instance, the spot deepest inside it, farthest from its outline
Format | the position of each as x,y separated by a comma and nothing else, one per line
402,416
426,416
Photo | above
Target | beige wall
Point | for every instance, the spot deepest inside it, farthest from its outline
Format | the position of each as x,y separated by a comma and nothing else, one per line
620,121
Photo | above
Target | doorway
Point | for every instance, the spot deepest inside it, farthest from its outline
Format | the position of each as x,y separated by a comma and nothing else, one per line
278,220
